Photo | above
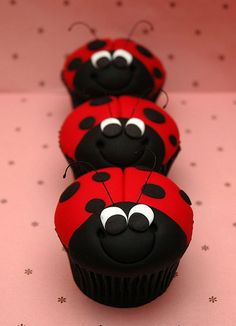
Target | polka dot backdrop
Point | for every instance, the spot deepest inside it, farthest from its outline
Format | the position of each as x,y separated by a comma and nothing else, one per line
36,283
196,44
195,40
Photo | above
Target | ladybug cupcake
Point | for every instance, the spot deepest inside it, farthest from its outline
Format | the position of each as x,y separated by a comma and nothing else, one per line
112,67
120,131
125,232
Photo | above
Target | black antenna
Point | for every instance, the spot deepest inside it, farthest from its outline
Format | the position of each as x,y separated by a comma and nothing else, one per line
167,98
140,99
150,173
109,104
106,94
91,29
143,21
109,109
93,168
135,106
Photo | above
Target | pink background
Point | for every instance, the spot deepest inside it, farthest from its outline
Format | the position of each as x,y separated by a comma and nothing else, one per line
36,283
194,39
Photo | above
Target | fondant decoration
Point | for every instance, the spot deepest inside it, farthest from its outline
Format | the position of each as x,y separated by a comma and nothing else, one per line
112,67
125,232
120,131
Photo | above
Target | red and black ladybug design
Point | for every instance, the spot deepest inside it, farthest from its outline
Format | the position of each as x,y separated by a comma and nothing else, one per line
139,223
112,67
120,131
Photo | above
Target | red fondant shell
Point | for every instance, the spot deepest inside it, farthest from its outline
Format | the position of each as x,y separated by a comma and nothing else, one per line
85,55
123,186
120,107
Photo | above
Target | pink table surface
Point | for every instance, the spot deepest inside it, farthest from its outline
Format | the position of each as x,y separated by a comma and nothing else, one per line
36,283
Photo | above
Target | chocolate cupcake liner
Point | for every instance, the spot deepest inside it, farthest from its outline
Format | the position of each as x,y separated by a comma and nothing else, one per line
123,291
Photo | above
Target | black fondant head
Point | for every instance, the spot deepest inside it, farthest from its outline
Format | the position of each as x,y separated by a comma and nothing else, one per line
120,142
110,73
127,237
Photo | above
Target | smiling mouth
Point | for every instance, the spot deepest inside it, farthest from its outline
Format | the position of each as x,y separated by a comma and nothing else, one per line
130,261
124,163
116,87
124,258
115,90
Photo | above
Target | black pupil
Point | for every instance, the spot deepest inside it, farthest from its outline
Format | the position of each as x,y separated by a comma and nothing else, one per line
138,222
103,62
120,62
116,224
133,131
112,130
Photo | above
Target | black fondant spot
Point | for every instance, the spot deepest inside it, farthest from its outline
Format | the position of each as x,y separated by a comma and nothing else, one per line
154,191
74,64
87,123
112,130
157,73
100,100
173,140
101,176
69,192
138,222
116,224
95,205
144,51
95,45
185,197
154,116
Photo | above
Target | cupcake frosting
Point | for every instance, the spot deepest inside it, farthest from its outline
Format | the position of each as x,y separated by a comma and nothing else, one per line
140,221
120,131
112,67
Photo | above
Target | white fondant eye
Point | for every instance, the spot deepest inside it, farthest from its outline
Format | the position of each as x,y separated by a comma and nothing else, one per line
144,210
135,127
110,121
101,59
111,127
120,53
109,212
